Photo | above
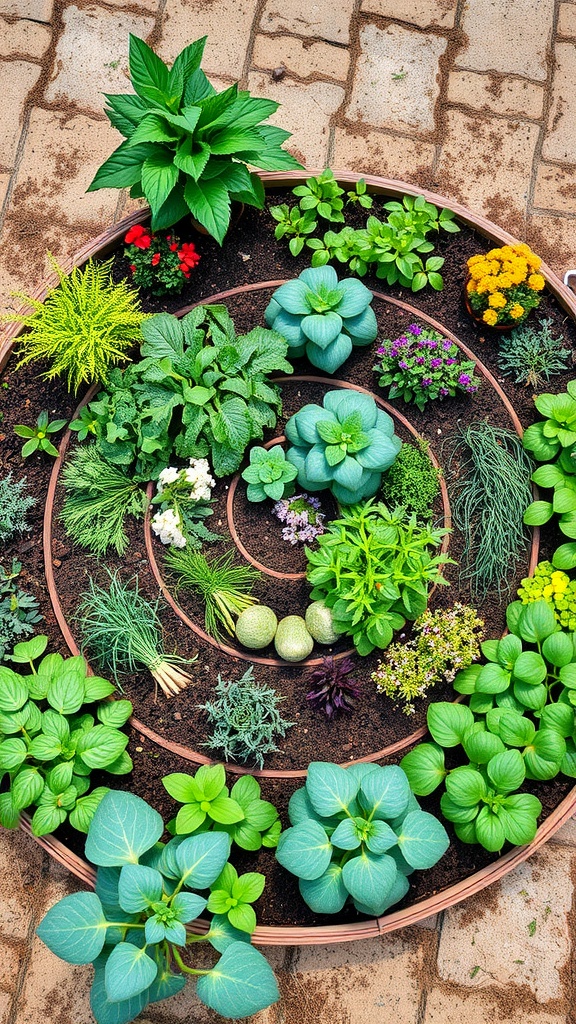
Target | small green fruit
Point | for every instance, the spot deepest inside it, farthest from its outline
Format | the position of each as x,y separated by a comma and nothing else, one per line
319,623
256,626
293,641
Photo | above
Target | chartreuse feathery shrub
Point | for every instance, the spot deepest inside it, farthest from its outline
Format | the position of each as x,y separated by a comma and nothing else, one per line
132,928
343,445
322,317
357,833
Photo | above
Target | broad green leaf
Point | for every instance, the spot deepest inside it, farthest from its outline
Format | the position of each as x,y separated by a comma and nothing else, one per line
489,830
107,1012
543,756
101,746
209,203
66,693
493,679
327,894
222,934
369,879
530,667
448,722
559,717
455,812
465,679
96,688
27,787
60,777
565,556
123,168
516,730
124,826
385,792
13,690
200,858
189,906
182,787
558,649
159,176
249,887
243,917
75,928
29,650
149,74
465,786
507,650
305,850
424,767
85,808
506,771
12,754
537,622
531,696
9,814
481,746
225,810
189,819
138,887
114,713
345,835
129,971
422,839
538,513
518,817
47,819
330,788
241,983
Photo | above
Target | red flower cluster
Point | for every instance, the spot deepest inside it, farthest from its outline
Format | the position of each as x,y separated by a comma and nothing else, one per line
159,263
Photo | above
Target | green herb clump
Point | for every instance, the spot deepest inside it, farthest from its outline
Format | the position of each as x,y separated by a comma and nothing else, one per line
269,475
490,480
133,926
99,496
38,436
84,326
249,821
356,834
122,630
50,742
372,567
246,719
531,354
18,610
200,390
555,587
14,504
445,641
224,587
517,724
412,482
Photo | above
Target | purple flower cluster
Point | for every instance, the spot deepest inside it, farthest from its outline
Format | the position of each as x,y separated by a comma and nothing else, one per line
304,521
421,365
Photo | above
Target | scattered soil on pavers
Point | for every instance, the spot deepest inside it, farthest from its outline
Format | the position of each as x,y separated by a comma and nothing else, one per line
249,256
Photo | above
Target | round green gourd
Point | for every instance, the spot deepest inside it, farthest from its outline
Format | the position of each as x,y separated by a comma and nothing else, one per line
293,641
256,626
319,623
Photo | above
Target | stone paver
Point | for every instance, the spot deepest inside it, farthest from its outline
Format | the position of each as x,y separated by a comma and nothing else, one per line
24,39
567,20
11,956
382,153
554,188
517,933
506,96
397,79
300,57
469,169
17,78
92,56
510,37
20,871
424,13
560,139
4,182
305,111
360,982
54,989
183,21
556,236
36,10
321,19
450,1006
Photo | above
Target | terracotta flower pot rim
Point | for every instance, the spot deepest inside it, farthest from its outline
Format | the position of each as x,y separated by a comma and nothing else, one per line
479,880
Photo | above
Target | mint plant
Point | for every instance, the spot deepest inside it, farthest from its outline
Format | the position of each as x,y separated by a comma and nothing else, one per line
231,895
132,928
50,742
356,834
322,317
343,445
39,435
249,821
269,474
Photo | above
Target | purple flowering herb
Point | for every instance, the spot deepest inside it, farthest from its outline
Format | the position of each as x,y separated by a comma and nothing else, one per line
432,344
303,520
381,350
464,378
471,389
420,360
403,365
426,382
446,345
443,392
450,362
415,330
435,363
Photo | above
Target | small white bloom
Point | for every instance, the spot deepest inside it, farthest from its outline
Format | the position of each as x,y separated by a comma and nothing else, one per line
167,476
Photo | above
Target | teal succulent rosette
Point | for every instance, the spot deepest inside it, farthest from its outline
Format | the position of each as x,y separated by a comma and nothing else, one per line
322,317
343,445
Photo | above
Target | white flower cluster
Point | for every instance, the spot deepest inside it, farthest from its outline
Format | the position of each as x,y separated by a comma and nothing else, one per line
197,474
167,526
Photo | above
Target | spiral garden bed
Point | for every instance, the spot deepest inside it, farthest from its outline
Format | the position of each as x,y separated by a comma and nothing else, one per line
168,736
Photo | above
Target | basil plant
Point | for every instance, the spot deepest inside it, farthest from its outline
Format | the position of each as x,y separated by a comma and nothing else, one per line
322,317
357,833
186,146
132,928
343,445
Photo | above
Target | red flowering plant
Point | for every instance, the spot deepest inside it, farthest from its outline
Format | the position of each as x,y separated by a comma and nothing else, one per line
160,263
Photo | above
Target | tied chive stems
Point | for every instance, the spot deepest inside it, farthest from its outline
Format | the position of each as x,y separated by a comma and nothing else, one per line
224,587
122,631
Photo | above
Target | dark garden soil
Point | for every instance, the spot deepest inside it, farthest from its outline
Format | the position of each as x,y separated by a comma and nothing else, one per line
250,256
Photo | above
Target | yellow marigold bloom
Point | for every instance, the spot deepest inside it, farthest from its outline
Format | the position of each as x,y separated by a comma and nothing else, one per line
516,311
470,286
533,261
536,282
504,281
483,285
524,249
479,270
497,300
490,317
475,259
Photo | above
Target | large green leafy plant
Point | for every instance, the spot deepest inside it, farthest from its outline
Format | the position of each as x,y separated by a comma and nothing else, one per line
200,390
357,833
322,316
372,567
186,146
50,742
133,927
518,724
343,445
553,442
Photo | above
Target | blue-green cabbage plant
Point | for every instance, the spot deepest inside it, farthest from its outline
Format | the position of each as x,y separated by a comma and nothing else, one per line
357,833
322,316
132,928
343,445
